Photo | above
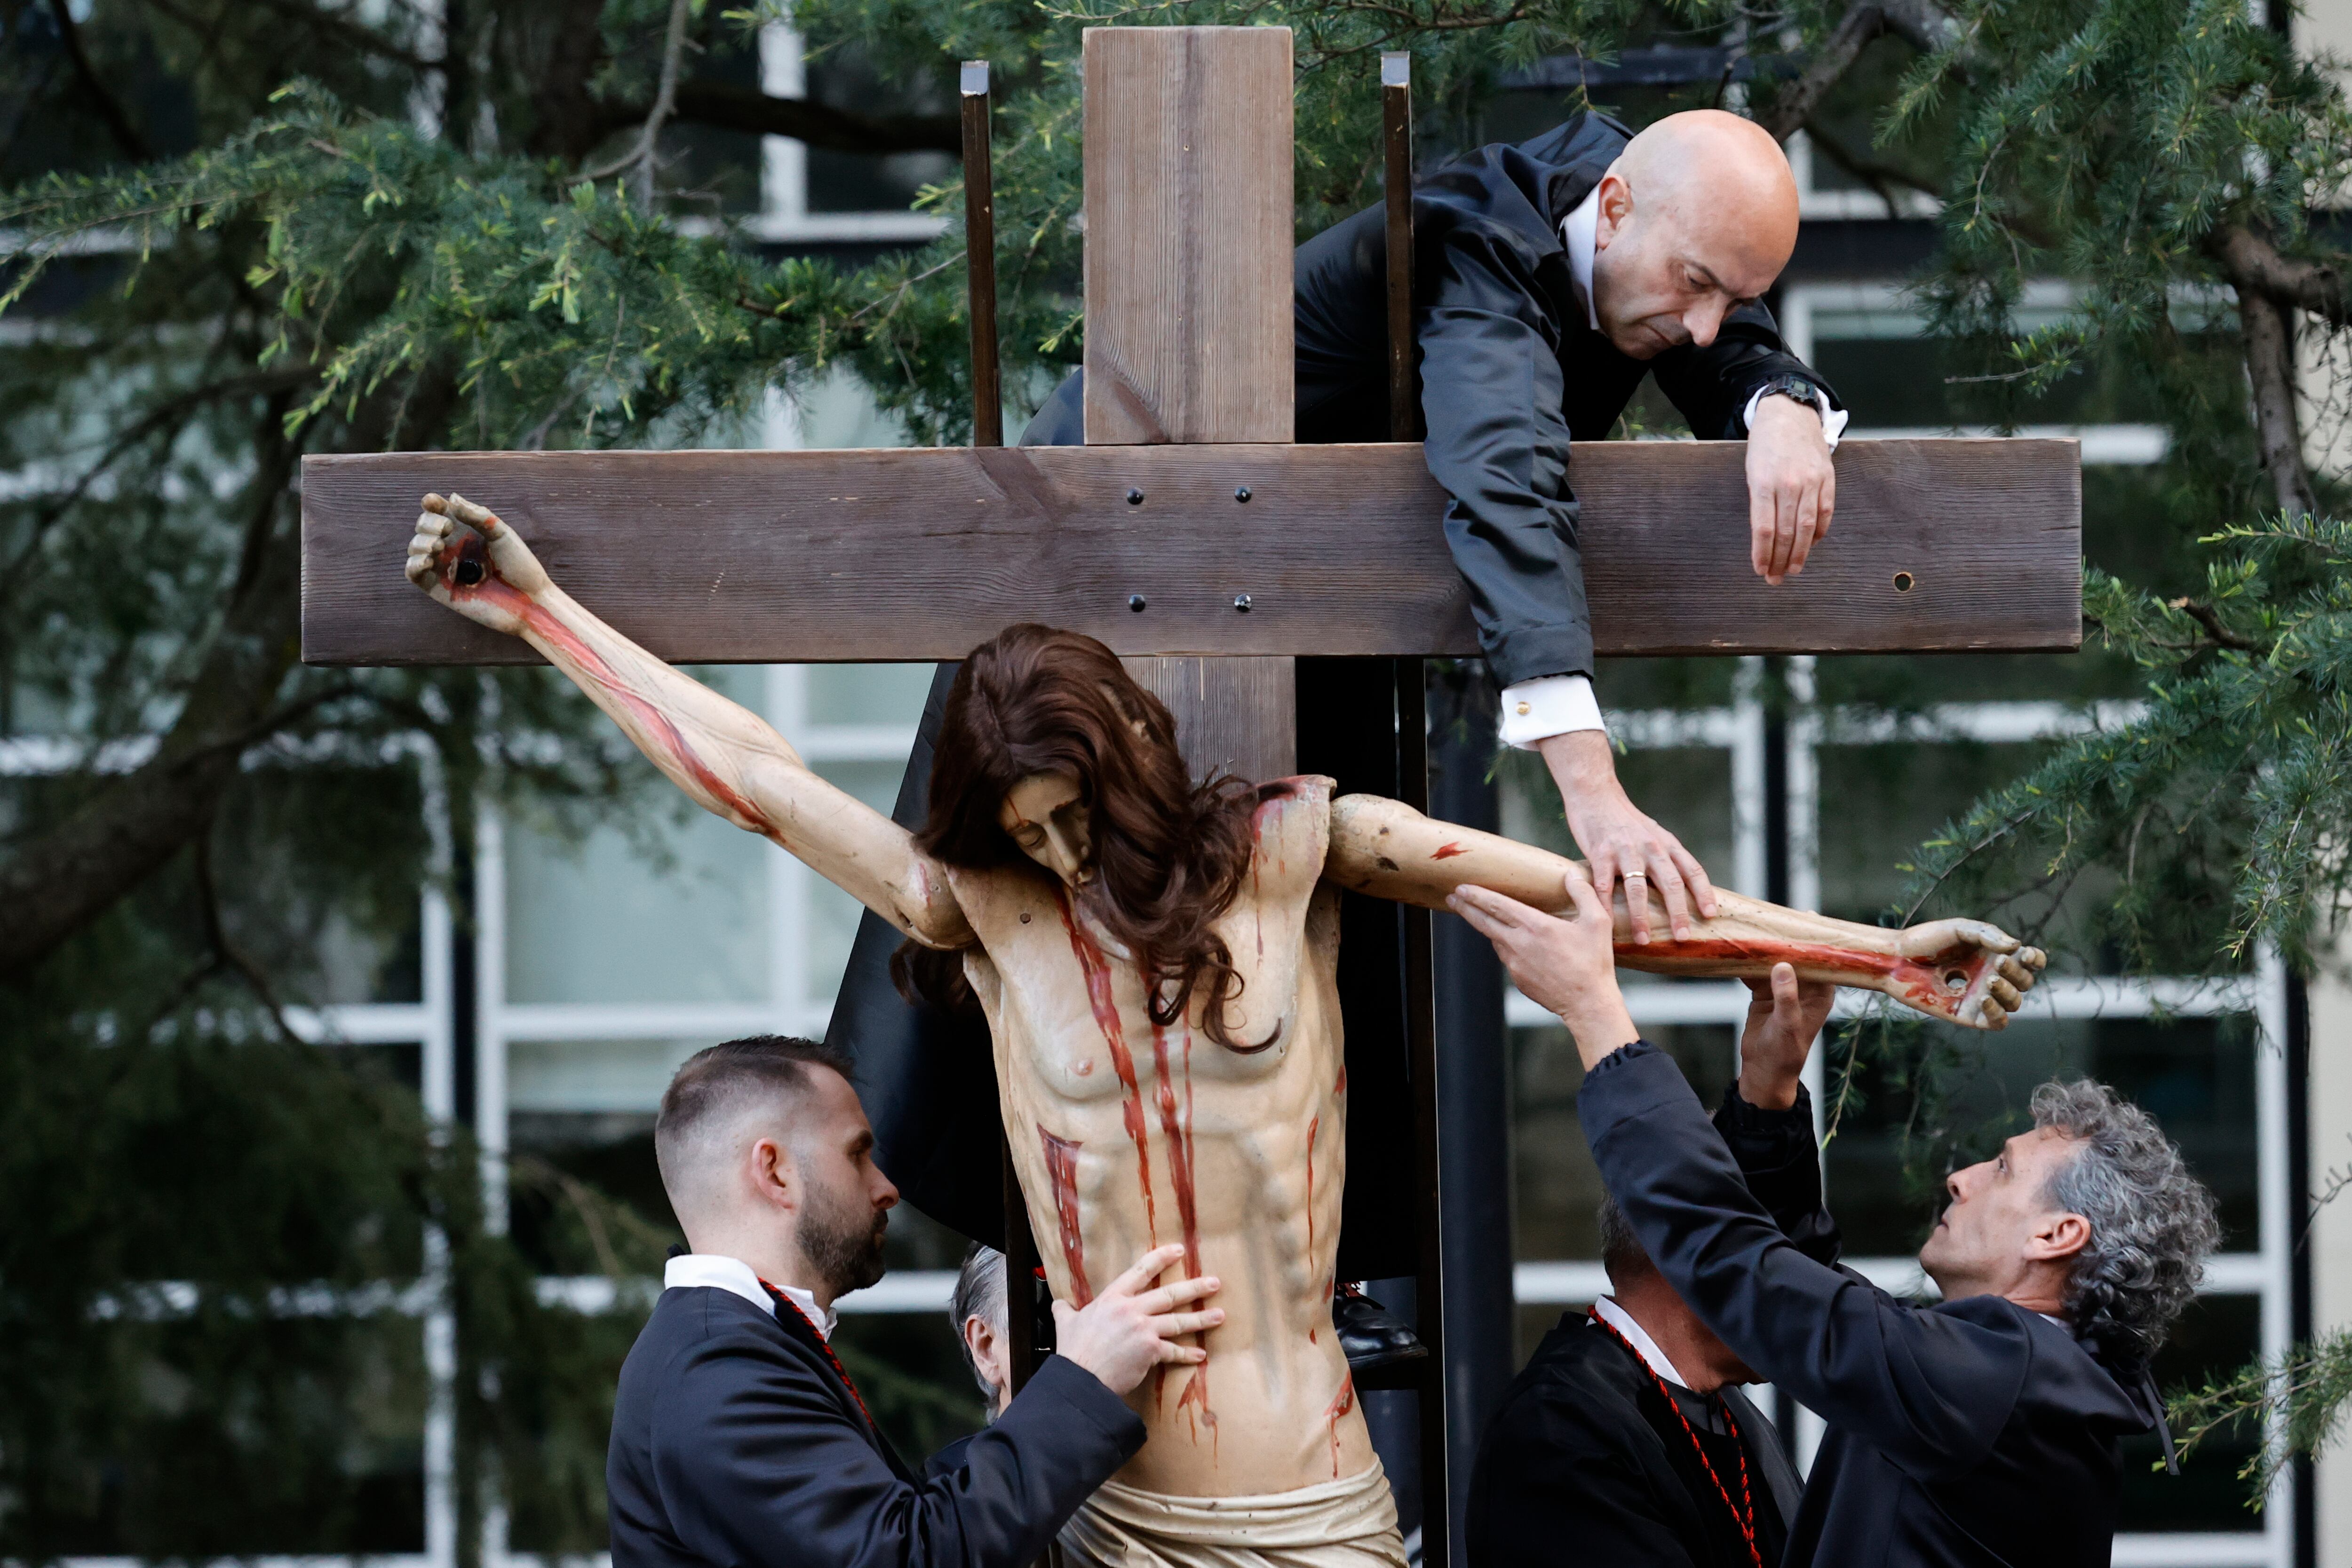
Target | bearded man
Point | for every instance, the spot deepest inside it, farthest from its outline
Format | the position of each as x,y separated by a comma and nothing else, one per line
1981,1430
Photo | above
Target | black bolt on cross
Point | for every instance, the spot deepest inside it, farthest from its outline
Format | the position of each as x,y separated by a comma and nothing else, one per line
1135,497
1135,602
1241,493
1242,602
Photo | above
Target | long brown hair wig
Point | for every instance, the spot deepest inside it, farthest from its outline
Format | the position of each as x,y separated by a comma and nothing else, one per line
1169,856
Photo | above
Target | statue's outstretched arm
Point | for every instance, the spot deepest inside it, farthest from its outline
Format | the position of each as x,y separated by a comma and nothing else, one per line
726,757
1966,971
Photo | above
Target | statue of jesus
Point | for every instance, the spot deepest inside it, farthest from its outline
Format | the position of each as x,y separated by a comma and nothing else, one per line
1156,961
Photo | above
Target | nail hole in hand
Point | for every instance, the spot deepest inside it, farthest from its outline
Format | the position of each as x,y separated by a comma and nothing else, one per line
1956,981
469,573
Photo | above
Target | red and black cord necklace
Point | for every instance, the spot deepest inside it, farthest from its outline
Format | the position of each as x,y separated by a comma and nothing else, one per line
786,1304
1743,1512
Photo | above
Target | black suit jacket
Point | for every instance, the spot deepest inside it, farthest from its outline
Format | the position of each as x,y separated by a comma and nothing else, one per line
1511,373
735,1445
1586,1462
1970,1432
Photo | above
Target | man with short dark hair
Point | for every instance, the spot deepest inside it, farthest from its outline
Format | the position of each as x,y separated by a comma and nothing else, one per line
1982,1430
739,1439
1627,1434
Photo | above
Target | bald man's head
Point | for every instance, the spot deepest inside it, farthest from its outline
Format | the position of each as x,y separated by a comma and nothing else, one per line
1697,217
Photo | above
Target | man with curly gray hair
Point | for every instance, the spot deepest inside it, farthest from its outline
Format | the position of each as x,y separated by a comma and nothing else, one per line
1985,1428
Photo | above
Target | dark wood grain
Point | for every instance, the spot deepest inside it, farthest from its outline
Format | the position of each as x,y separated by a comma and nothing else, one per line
1233,715
919,554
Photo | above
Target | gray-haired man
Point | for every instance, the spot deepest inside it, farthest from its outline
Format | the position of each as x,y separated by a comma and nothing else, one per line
1983,1429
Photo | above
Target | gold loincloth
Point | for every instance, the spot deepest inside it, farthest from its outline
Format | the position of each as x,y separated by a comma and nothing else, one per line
1350,1523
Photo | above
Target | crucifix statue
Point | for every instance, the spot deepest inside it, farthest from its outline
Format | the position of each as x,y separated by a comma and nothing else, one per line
1168,1048
1157,961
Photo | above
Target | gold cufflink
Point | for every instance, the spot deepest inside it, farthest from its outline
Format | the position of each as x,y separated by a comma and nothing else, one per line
1523,707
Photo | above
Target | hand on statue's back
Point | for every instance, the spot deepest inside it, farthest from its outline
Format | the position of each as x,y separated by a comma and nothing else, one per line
484,571
1132,1327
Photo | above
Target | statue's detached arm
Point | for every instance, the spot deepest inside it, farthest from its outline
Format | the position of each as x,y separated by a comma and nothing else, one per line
1968,971
723,754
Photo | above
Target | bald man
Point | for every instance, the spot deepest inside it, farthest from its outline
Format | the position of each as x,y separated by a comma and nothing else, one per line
1548,279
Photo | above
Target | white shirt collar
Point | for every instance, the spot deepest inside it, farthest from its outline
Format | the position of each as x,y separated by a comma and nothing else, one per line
1618,1318
1580,231
736,1276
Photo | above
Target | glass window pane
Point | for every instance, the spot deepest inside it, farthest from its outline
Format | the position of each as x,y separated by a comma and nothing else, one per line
593,1076
867,694
599,921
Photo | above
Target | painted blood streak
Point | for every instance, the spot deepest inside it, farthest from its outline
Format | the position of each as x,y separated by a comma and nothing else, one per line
1919,983
1097,969
663,733
1447,852
1341,1403
1177,1127
1061,1176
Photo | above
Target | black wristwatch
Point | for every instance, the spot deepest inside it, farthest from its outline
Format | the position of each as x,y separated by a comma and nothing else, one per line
1800,389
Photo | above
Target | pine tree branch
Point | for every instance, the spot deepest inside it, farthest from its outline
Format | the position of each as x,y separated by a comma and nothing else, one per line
2269,331
2205,616
638,162
109,109
1863,21
2252,262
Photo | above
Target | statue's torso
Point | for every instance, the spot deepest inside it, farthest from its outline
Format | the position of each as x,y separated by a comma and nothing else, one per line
1127,1137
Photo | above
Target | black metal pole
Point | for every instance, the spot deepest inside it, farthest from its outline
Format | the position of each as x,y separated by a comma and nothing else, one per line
1474,1179
980,258
1396,131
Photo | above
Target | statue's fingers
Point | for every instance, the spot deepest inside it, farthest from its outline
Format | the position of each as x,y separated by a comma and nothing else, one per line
475,517
1988,936
2005,993
2015,972
2032,957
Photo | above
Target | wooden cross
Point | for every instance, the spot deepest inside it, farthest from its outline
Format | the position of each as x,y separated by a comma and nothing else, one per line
1189,534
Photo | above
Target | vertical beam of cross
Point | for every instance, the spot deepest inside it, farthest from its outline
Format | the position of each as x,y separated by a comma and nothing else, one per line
1188,288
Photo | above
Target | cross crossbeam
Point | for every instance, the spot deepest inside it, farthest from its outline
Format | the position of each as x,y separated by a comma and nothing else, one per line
922,553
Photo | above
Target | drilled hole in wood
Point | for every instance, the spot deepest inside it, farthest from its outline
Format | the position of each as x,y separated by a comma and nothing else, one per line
1905,583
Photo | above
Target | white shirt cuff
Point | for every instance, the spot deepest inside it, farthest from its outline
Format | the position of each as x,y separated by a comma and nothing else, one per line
1548,705
1833,420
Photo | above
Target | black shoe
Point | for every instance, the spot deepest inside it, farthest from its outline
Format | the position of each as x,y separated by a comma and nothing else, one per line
1372,1336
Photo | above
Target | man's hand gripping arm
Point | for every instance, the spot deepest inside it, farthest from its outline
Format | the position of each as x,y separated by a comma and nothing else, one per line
1966,971
727,758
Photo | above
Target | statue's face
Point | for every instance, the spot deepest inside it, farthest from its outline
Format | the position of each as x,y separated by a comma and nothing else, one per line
1046,815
